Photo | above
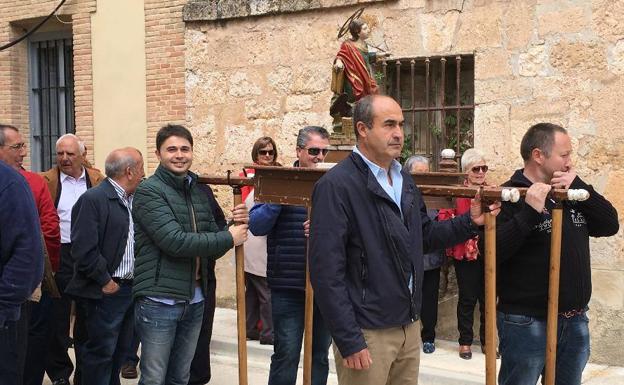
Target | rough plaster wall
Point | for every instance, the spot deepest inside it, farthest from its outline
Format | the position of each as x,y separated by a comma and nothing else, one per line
557,61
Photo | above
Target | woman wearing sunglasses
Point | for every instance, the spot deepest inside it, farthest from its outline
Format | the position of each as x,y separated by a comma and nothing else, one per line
468,261
257,293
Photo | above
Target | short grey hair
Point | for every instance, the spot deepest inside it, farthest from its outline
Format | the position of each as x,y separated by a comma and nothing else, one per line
409,163
363,112
470,157
81,144
304,134
118,161
4,127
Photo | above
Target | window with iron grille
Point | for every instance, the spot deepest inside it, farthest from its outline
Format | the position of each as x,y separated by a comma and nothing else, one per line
51,97
437,98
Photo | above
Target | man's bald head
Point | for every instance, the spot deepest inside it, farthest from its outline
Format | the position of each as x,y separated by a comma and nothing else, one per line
119,160
125,166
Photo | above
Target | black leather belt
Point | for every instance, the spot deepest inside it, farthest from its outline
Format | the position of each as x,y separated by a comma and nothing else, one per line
121,281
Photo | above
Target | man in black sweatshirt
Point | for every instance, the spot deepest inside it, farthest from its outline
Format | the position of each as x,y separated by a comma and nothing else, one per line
523,251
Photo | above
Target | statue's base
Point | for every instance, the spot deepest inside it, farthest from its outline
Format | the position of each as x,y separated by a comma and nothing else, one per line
341,142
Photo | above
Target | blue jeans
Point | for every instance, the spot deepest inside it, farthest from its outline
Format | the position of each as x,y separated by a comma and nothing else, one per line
523,349
105,319
168,335
288,323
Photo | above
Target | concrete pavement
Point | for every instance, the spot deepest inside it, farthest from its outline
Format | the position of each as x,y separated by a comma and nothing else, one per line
443,367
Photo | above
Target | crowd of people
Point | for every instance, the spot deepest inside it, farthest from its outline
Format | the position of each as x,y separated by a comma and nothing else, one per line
136,258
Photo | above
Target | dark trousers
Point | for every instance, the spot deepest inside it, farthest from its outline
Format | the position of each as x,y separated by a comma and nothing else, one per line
200,366
39,338
429,307
471,285
101,354
129,344
13,342
288,326
58,363
258,307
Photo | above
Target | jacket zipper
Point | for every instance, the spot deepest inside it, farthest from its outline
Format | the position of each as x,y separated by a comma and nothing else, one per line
578,266
397,263
189,203
364,275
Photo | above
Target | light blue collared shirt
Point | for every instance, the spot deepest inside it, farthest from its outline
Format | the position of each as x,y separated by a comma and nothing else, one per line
393,190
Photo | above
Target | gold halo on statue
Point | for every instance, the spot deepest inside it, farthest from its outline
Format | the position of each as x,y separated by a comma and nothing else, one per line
345,27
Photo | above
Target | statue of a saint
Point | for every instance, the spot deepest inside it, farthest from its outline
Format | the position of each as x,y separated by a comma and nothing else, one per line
353,64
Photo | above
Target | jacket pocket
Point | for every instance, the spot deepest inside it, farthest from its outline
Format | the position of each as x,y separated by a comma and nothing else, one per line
157,275
363,275
518,320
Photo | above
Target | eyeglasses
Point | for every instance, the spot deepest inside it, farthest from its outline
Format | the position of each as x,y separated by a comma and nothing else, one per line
17,146
477,169
314,151
266,152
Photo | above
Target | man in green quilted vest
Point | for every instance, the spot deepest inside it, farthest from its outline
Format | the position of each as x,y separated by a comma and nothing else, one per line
175,238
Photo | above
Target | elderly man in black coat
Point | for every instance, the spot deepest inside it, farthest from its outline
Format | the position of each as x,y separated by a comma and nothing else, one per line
102,235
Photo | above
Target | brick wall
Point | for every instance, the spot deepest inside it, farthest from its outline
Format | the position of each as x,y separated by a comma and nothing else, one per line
164,50
14,62
164,64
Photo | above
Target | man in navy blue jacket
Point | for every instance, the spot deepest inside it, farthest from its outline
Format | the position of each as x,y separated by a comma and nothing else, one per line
368,234
286,263
21,268
102,244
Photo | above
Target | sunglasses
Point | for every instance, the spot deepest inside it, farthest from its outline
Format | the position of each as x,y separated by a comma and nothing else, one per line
476,169
314,151
266,152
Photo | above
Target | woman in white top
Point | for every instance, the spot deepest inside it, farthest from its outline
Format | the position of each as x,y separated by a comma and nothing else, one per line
257,293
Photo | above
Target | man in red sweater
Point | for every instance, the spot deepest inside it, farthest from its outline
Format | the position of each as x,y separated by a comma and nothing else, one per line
12,152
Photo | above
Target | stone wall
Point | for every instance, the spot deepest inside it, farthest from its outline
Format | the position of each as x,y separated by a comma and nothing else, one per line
209,10
559,61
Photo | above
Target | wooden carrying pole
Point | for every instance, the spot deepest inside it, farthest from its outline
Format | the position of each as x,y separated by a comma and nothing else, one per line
240,302
553,296
309,316
490,299
236,183
293,186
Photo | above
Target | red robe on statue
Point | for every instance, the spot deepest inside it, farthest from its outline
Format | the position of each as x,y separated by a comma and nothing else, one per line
356,70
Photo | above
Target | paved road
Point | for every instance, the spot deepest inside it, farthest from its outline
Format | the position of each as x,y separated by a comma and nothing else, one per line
443,367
